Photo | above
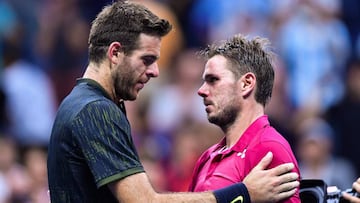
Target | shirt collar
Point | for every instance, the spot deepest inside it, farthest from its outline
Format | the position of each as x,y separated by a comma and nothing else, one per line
94,84
250,133
97,86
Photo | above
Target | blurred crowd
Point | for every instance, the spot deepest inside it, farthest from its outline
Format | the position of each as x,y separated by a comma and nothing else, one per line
315,103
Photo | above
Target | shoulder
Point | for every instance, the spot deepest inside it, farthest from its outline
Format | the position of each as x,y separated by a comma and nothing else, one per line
83,106
84,98
270,136
271,140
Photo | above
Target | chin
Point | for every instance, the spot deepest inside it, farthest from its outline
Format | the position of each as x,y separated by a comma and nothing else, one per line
210,119
130,97
133,97
136,95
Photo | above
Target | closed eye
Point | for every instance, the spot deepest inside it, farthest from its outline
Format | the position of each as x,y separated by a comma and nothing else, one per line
211,79
148,60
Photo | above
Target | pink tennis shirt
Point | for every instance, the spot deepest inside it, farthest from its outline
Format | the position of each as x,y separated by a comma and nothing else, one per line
217,168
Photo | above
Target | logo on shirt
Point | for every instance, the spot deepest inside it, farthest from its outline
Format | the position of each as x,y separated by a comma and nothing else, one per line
241,154
239,199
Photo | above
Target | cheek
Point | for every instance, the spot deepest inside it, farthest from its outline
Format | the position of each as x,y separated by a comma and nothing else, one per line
129,71
231,100
226,94
223,98
138,69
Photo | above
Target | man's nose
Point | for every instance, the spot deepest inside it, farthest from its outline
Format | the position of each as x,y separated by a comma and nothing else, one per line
153,70
202,91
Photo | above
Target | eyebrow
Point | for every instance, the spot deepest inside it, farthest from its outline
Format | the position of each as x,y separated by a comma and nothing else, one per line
149,56
209,75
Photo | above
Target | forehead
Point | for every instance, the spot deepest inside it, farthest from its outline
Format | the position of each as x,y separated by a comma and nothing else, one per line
149,44
217,65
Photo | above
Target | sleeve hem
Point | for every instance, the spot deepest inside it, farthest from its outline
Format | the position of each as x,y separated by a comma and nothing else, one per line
118,176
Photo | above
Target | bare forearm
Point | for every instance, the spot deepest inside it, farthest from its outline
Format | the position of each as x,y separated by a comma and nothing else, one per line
232,193
137,188
203,197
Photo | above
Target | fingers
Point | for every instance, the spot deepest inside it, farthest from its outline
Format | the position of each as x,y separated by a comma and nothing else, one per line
265,161
289,185
351,198
288,177
283,195
283,168
356,185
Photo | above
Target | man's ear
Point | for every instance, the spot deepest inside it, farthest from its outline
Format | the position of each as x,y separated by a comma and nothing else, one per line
115,52
247,83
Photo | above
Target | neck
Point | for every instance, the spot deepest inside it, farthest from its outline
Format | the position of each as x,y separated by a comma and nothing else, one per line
243,121
101,74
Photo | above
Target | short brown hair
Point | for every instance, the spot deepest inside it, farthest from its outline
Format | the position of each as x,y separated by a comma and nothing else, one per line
123,21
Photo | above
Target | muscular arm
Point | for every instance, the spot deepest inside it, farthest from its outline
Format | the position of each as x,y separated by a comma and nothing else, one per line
263,185
137,188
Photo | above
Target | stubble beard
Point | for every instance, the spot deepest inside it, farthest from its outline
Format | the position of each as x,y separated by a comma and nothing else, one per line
225,118
124,82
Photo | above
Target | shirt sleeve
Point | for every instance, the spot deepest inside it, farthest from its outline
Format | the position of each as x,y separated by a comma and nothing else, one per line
104,136
282,153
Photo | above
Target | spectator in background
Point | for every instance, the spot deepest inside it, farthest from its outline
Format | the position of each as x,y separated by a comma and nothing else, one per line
172,104
177,95
8,21
61,46
30,97
344,117
189,141
5,191
316,157
212,20
315,46
90,8
279,108
4,119
350,15
17,180
34,161
26,14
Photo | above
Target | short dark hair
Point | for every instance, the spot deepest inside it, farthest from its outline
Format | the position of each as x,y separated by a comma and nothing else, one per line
123,21
247,55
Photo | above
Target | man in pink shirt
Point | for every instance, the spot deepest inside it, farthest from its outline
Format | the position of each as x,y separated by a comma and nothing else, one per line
238,81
